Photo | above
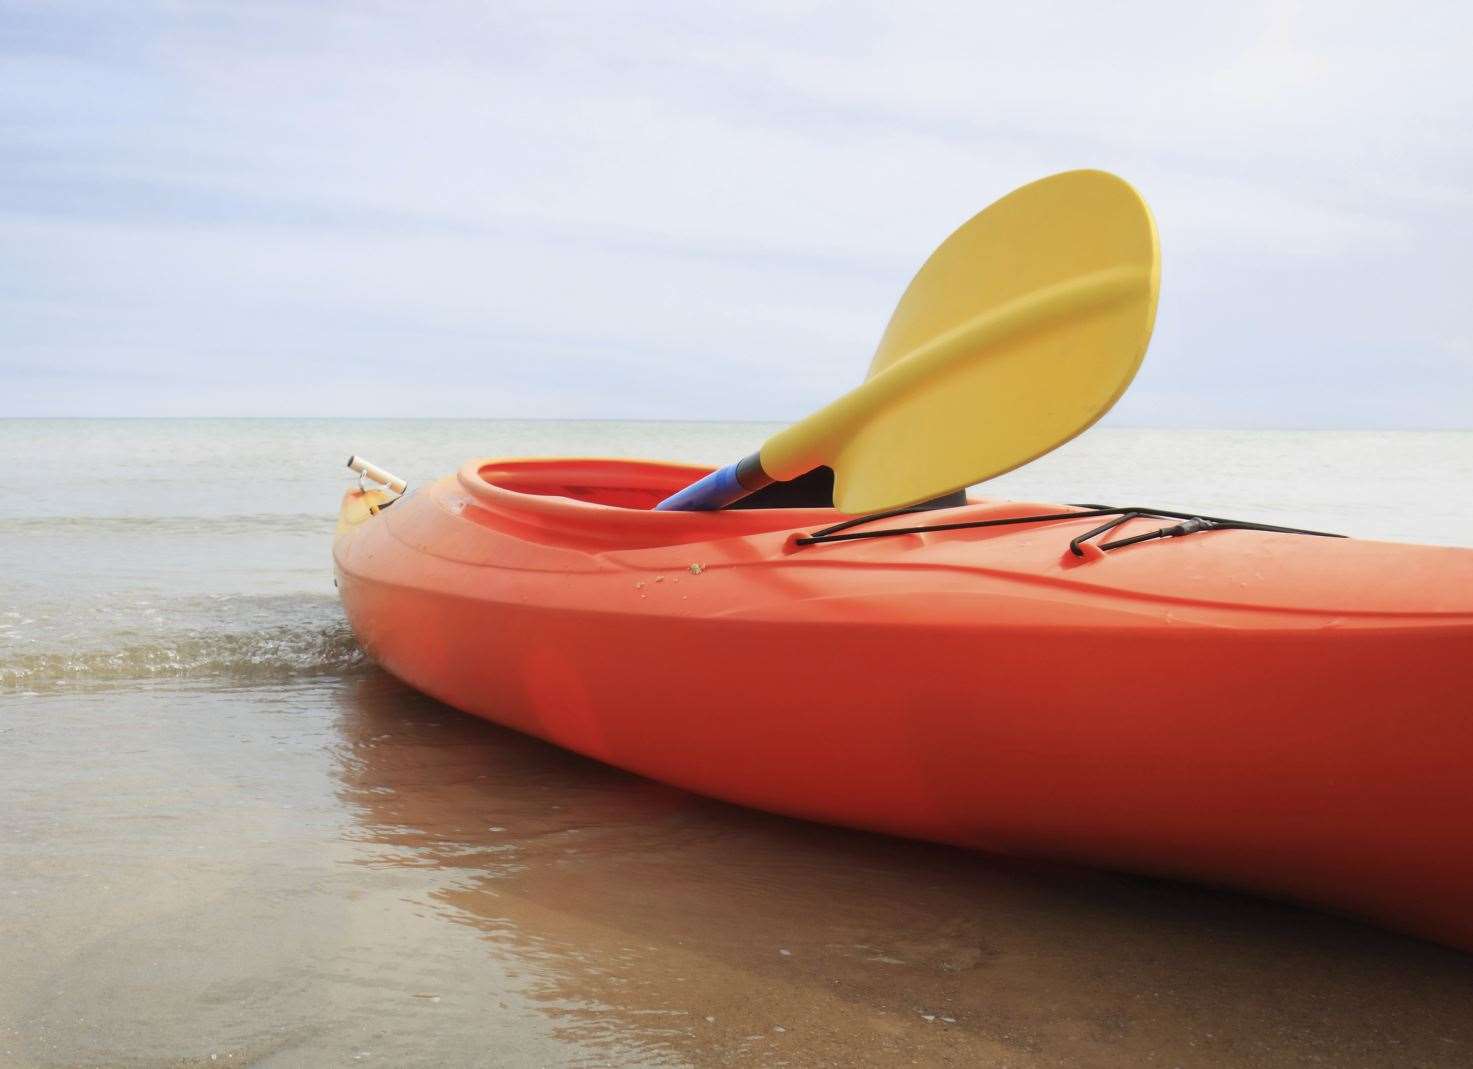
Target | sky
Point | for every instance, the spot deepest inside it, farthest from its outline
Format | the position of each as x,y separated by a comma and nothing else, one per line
694,210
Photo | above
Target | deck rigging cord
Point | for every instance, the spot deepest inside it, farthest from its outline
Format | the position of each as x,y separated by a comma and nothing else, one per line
1192,523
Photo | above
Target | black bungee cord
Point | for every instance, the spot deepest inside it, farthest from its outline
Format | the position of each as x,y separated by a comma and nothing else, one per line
1192,524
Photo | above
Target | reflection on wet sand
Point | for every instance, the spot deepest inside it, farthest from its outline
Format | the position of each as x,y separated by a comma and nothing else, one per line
654,927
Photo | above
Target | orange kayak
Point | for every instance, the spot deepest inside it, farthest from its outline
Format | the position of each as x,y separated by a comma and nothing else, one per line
1283,713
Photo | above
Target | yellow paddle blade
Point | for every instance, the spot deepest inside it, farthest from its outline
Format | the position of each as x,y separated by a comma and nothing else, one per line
1018,333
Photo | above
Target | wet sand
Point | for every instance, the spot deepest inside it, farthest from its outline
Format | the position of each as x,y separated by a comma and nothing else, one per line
333,871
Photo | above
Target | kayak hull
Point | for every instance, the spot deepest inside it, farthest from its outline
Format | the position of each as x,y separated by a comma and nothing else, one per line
1177,708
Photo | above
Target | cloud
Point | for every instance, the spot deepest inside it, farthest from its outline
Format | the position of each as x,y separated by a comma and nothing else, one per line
699,210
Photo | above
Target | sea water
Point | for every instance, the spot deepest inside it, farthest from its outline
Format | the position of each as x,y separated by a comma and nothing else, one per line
227,838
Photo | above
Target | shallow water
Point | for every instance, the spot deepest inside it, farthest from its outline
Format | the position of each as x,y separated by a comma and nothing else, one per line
222,833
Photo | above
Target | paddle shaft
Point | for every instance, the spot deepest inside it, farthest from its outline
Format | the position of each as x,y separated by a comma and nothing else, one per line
721,488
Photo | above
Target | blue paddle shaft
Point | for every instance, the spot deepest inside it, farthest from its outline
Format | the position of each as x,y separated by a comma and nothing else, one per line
719,489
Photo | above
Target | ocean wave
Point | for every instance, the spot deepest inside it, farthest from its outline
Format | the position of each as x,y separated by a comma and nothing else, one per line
273,652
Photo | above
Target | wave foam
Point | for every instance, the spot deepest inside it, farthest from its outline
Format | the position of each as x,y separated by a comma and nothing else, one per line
275,652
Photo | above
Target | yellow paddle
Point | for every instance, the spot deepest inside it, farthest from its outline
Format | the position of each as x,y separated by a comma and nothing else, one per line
1018,333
